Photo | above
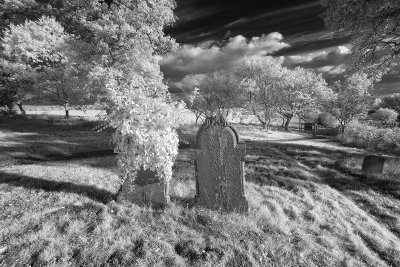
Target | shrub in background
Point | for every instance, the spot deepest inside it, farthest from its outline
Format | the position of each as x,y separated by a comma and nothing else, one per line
366,136
327,120
385,115
311,117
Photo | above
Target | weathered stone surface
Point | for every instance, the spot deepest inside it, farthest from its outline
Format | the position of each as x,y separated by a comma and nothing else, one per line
373,165
147,189
220,168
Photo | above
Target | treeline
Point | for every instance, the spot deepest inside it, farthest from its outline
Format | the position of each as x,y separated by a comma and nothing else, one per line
262,86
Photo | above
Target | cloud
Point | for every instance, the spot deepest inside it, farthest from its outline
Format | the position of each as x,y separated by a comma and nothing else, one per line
321,58
331,62
189,59
332,71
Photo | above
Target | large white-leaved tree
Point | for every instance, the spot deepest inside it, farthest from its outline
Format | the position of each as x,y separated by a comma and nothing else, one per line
117,44
126,37
41,54
300,91
260,77
350,98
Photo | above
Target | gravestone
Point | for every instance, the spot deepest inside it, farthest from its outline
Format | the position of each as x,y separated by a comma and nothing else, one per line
146,189
373,165
220,167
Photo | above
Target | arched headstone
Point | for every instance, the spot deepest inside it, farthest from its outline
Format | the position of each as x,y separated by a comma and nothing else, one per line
220,167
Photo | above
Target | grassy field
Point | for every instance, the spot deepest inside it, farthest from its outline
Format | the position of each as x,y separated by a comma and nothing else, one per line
309,205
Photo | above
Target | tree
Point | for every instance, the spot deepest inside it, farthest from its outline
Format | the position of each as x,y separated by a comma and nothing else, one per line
300,92
385,115
17,12
42,52
125,38
116,44
350,98
374,26
190,85
218,93
260,77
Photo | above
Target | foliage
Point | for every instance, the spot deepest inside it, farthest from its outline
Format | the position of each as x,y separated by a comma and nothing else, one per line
326,119
92,48
260,77
126,37
350,98
392,102
216,93
300,91
271,88
385,115
374,26
366,136
194,100
42,53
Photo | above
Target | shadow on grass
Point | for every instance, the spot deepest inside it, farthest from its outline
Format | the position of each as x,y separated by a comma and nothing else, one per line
27,182
41,125
292,165
58,157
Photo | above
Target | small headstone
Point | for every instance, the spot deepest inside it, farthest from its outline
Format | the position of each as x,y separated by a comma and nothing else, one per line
220,167
146,189
373,165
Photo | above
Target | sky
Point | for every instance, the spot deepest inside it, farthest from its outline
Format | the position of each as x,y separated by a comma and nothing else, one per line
217,34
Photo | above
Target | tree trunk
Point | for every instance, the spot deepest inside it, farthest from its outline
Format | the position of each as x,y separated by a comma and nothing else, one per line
288,118
264,125
299,124
21,108
198,115
314,133
268,122
66,107
342,127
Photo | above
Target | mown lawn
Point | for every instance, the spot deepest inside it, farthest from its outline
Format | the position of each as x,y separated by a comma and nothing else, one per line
309,205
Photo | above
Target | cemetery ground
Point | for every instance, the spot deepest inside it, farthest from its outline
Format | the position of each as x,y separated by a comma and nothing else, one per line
309,204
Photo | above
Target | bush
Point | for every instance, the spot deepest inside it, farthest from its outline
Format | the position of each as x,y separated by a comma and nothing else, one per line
366,136
385,115
327,120
311,117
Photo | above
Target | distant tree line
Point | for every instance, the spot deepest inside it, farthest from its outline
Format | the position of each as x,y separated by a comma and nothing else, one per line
262,86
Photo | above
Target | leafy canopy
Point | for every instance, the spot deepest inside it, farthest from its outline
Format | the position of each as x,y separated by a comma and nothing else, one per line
350,98
375,27
115,45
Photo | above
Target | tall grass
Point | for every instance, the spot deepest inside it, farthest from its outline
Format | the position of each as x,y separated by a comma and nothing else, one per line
370,137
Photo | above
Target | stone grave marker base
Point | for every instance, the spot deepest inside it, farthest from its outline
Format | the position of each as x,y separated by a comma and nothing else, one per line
373,166
146,190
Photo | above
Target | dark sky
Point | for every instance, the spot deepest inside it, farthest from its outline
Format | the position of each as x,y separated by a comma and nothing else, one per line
200,20
216,34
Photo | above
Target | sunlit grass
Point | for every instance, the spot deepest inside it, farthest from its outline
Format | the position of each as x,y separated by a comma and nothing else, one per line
309,206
